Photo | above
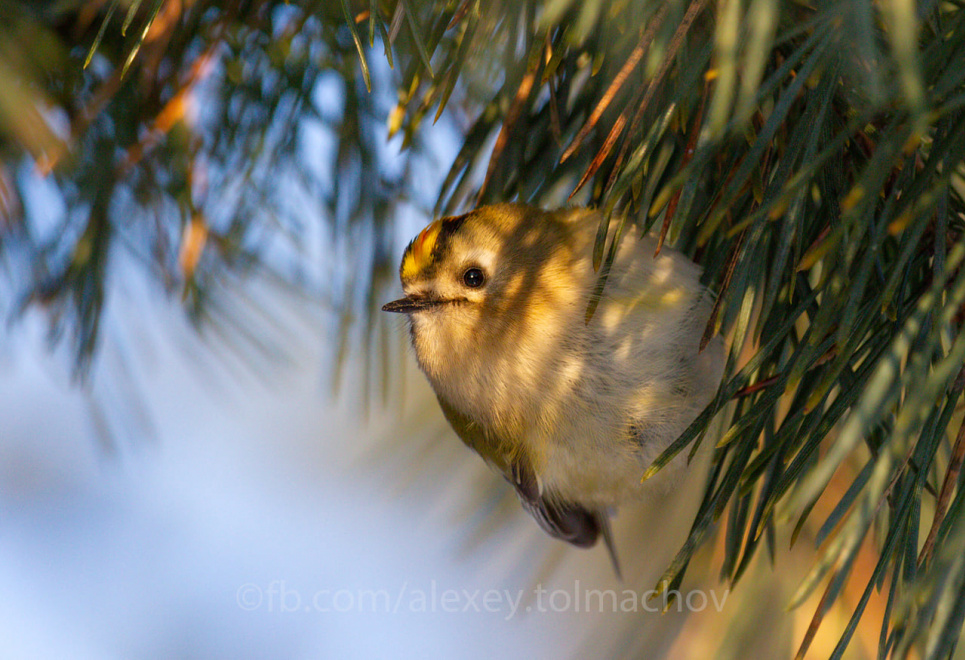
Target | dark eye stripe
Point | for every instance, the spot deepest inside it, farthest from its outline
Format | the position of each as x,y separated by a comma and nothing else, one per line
450,225
425,265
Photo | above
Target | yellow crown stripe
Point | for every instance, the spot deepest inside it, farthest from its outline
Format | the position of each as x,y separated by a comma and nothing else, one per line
419,254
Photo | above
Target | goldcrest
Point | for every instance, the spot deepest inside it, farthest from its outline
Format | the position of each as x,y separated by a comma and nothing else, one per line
570,412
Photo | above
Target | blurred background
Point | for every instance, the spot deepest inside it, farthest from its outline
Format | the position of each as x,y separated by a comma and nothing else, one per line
213,445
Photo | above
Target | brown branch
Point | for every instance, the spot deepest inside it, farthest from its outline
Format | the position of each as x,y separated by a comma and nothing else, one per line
632,61
172,112
512,116
601,155
948,485
555,113
823,605
459,15
688,156
696,6
816,620
554,102
756,387
712,321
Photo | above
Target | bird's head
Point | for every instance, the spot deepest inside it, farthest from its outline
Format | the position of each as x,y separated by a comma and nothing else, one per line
483,288
447,268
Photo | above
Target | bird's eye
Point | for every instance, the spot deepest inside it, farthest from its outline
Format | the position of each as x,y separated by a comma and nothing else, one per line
473,278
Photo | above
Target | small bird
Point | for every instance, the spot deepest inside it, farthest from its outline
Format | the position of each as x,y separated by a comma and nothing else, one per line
570,411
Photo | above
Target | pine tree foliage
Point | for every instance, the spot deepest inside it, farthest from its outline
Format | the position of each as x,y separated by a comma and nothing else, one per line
811,157
162,130
808,154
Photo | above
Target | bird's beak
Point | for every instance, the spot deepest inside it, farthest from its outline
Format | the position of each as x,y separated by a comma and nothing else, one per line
411,304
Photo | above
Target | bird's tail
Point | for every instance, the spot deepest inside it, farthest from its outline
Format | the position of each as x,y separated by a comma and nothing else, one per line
603,521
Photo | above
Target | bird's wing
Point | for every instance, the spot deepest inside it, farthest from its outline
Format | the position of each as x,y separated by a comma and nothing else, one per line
566,521
495,452
563,520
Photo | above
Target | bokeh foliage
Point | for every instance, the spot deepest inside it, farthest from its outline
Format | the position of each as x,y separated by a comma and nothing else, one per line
207,140
808,155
